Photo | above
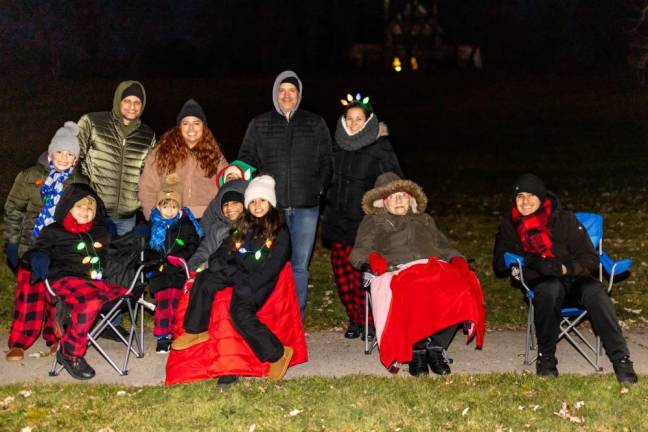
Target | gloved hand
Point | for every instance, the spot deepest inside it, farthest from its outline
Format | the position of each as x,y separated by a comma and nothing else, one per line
378,263
112,227
548,267
460,264
11,251
142,231
39,266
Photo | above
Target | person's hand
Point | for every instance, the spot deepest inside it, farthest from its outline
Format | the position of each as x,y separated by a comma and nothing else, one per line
142,231
549,267
39,266
111,227
378,263
11,251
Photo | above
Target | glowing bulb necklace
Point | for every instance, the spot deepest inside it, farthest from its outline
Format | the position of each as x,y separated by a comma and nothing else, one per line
96,270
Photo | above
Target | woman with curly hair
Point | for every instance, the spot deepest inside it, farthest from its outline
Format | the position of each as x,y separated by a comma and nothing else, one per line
189,150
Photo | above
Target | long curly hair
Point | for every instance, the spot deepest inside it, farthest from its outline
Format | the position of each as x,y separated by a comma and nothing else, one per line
266,227
172,149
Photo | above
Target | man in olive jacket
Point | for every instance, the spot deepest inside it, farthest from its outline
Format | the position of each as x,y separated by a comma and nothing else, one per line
114,145
294,147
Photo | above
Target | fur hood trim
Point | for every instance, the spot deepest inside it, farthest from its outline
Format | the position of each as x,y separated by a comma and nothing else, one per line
387,184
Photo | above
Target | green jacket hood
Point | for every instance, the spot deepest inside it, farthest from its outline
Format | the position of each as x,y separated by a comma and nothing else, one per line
117,98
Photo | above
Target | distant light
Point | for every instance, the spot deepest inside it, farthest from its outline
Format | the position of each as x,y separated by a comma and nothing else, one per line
396,64
414,63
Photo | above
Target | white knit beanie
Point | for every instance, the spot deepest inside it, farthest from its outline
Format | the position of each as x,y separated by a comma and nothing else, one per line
261,187
66,139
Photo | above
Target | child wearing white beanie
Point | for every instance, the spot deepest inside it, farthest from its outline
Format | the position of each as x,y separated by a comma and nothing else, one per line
261,187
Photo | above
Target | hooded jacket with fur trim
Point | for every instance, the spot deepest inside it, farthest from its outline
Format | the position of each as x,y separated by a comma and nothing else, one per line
400,239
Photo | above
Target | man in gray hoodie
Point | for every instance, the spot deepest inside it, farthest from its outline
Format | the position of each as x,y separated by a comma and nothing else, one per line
294,147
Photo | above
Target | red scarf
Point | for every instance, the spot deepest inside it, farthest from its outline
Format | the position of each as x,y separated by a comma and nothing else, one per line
71,225
532,229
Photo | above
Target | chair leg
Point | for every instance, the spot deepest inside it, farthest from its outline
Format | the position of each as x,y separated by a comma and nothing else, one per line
368,349
530,341
56,368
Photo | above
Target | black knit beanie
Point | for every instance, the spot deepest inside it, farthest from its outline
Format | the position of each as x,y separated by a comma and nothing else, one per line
290,80
191,108
531,184
133,90
232,195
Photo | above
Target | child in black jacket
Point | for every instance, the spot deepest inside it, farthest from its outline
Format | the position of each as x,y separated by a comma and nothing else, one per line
174,231
71,253
250,261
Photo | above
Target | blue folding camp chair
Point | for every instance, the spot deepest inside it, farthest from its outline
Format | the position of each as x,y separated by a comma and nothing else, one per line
571,317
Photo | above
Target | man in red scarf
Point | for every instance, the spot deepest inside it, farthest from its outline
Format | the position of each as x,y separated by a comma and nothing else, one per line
560,261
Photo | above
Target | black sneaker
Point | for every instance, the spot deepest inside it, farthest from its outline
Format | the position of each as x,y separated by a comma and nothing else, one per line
110,334
163,344
418,366
624,371
227,380
437,359
77,367
546,365
353,331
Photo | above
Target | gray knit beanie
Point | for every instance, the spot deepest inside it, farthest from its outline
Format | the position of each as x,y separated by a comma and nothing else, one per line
66,139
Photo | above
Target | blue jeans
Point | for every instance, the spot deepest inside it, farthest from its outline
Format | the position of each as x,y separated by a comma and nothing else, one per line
124,225
302,225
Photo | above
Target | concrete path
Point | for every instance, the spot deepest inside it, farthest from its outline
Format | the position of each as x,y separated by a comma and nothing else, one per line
330,355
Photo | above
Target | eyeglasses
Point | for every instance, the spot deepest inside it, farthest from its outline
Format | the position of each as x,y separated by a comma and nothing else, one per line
397,196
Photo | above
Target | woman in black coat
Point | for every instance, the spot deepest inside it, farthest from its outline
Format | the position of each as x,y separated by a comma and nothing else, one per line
361,153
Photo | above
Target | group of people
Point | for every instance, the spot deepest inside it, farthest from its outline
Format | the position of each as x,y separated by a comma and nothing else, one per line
237,230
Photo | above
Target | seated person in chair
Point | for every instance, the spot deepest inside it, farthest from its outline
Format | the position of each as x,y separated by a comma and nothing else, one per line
559,262
395,231
71,253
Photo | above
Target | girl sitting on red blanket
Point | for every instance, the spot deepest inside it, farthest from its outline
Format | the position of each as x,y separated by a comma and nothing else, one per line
396,230
71,253
250,261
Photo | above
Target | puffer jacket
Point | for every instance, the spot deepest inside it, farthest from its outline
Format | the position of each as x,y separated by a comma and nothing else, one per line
112,161
296,152
358,160
571,244
24,203
399,239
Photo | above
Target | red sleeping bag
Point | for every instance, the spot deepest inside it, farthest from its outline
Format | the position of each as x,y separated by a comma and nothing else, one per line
226,352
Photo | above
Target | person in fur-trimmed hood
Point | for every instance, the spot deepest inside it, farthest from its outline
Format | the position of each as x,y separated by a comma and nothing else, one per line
362,151
431,293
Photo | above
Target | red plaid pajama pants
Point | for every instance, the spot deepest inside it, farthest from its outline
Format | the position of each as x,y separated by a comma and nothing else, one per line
165,310
86,298
31,310
349,284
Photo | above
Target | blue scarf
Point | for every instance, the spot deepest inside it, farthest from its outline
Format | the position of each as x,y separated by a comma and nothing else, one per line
160,226
51,194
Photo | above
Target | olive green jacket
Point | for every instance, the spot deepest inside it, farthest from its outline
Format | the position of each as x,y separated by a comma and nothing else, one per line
112,160
24,203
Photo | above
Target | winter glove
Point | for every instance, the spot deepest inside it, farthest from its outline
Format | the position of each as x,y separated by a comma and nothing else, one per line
11,251
39,266
460,264
142,231
548,267
378,263
111,227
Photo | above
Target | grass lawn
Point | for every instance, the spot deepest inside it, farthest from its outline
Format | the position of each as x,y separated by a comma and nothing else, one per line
464,138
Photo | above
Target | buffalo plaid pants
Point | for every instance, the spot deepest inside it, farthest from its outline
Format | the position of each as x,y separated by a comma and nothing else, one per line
165,310
30,311
349,284
85,297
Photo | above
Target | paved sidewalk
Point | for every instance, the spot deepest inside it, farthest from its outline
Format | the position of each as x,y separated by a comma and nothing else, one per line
330,355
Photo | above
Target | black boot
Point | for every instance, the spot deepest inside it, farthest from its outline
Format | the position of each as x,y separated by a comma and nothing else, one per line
624,371
418,365
353,331
437,358
546,365
77,367
227,380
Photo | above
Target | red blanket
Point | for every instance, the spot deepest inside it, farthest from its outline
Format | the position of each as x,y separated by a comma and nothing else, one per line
226,353
427,298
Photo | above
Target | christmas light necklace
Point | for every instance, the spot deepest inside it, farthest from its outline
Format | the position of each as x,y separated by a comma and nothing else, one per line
96,270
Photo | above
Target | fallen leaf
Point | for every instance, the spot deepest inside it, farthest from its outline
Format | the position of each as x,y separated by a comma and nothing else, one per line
252,427
27,429
295,412
7,401
465,411
25,393
121,393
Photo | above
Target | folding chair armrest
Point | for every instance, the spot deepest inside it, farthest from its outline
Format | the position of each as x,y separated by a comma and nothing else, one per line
612,267
511,259
49,288
367,277
179,262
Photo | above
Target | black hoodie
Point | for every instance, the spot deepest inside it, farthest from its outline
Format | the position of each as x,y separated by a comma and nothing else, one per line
63,247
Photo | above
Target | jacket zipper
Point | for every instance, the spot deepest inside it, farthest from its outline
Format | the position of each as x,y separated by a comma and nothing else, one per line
121,175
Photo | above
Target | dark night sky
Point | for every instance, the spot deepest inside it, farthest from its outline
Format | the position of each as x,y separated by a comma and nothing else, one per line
230,37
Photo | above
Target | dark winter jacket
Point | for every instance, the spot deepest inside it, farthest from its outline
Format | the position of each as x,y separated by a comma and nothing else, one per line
399,239
112,160
214,224
296,152
571,244
24,203
358,160
252,278
64,248
181,241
